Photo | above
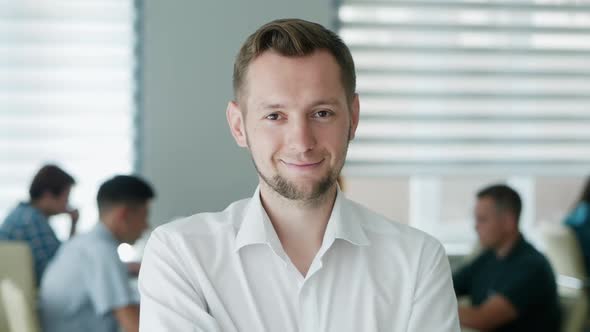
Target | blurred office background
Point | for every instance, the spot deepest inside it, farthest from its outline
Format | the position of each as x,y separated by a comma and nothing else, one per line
454,95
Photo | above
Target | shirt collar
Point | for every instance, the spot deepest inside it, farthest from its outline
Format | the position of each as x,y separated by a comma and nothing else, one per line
256,227
344,223
518,247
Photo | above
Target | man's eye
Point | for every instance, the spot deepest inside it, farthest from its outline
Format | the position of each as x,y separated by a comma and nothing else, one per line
273,116
322,114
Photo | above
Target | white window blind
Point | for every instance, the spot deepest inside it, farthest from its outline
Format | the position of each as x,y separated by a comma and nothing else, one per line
470,86
67,95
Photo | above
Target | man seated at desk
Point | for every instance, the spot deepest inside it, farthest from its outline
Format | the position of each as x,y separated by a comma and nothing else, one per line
511,285
86,287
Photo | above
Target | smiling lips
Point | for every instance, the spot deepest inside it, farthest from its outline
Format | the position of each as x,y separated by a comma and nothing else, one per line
302,165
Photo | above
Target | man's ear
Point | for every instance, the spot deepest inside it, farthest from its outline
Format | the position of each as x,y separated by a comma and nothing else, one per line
354,115
235,120
120,212
509,220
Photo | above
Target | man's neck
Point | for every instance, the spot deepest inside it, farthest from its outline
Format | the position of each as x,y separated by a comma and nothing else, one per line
506,246
111,226
299,225
42,206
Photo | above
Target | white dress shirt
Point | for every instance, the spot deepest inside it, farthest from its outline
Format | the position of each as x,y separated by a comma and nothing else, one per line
227,271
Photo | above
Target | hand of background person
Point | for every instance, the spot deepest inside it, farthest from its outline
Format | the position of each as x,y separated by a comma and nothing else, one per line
74,216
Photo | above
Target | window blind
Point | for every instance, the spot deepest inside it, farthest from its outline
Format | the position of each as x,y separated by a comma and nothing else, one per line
67,94
470,86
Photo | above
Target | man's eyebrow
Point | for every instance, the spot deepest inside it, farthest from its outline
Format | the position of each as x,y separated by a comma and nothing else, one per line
329,101
277,106
272,106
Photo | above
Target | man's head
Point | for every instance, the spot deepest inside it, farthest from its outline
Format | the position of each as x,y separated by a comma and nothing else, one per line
497,212
296,108
123,205
50,189
293,38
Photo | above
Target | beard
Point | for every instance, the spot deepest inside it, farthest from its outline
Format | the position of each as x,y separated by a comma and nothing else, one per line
290,190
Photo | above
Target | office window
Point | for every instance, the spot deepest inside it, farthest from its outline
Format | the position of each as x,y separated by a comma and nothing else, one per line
459,94
67,96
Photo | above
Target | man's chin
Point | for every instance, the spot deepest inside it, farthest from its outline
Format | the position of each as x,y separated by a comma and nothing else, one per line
303,190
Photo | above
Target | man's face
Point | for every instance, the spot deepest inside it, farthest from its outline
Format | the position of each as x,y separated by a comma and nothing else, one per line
490,223
59,203
294,117
136,222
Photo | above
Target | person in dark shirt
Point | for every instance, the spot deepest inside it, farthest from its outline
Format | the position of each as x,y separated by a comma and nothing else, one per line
511,285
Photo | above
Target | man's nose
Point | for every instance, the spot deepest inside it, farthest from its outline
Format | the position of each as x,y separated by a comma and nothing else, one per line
301,137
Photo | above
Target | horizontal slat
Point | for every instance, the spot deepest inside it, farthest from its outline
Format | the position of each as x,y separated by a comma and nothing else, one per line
498,18
444,50
58,32
25,169
423,61
64,61
78,126
484,29
375,152
474,129
468,39
505,73
81,79
454,168
103,10
474,107
513,85
103,97
71,54
525,5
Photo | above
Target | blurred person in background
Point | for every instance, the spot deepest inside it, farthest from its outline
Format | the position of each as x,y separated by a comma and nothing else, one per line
29,221
579,221
86,287
511,285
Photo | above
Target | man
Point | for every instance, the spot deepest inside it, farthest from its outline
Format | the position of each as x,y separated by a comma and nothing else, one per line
297,256
86,287
511,285
29,221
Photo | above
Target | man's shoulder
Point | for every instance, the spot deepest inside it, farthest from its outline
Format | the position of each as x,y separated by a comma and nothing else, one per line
206,223
379,227
88,247
534,260
20,215
22,223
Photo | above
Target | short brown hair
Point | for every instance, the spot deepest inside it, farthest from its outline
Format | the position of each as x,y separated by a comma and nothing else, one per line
505,198
52,179
294,37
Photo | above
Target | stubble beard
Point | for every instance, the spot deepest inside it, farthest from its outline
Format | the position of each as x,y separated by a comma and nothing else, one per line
289,190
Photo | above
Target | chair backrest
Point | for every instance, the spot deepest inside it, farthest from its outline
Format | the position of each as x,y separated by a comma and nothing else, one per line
16,264
565,255
21,316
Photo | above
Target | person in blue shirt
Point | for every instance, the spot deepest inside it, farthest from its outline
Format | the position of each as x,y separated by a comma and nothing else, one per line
29,221
86,287
579,220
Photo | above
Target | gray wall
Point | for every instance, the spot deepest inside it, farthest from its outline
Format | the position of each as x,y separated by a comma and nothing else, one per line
188,50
